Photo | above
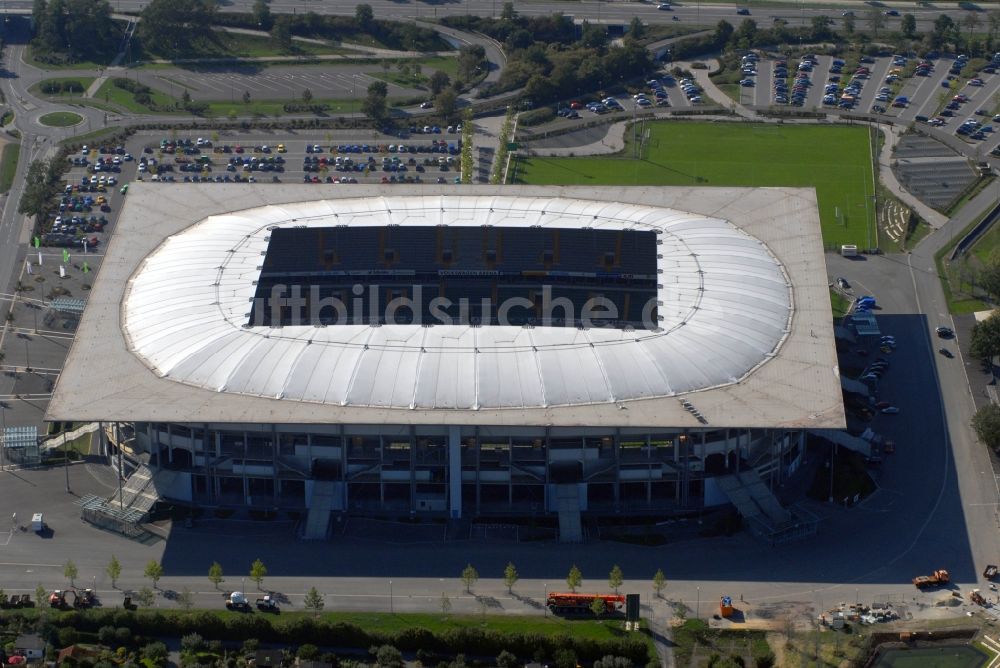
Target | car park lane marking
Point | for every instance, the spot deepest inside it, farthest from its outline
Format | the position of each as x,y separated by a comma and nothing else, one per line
17,563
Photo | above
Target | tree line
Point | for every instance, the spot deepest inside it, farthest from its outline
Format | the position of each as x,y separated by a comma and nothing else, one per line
551,59
68,31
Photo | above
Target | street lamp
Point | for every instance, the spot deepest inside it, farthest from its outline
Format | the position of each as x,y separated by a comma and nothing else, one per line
697,606
545,600
390,597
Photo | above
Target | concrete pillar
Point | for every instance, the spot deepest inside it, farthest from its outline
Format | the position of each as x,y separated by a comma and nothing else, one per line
413,468
455,472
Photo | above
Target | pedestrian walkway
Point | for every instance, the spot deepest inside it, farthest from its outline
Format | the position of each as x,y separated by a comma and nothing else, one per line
888,177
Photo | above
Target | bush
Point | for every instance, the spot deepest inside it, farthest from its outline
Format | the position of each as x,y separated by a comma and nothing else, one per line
308,652
155,652
192,642
123,636
67,636
106,635
388,656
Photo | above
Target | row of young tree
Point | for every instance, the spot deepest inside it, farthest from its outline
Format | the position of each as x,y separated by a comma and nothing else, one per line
975,34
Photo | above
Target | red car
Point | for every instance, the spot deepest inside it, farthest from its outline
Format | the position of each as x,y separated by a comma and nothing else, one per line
576,104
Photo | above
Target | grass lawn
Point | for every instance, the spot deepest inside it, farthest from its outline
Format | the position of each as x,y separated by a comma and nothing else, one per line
84,83
956,276
239,45
111,94
840,303
8,165
276,107
60,119
833,159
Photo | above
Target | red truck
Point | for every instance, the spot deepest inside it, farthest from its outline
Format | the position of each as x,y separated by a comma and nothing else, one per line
568,603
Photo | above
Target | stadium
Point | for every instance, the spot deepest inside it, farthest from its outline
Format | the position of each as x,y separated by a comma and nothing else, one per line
458,353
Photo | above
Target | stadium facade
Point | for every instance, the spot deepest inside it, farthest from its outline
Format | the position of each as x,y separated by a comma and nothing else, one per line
459,352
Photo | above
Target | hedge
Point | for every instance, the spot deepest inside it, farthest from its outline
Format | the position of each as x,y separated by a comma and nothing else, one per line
303,630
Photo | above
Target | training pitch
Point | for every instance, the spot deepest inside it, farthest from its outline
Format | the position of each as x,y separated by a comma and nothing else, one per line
835,160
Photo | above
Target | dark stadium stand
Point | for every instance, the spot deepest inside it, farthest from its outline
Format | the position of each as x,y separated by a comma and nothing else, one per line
476,268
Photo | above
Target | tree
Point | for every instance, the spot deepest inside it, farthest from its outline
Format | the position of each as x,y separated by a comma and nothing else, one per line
507,660
438,81
985,341
307,96
186,599
155,652
971,23
993,23
989,275
445,603
510,576
258,571
597,606
281,33
986,423
821,27
470,59
469,577
507,12
908,25
246,97
40,594
364,17
70,571
615,578
574,579
388,656
374,105
153,571
176,27
262,14
849,25
114,570
876,20
145,597
636,28
313,600
659,582
308,652
215,573
943,31
445,104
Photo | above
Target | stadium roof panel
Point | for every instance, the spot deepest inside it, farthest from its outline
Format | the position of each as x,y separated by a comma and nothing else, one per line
745,332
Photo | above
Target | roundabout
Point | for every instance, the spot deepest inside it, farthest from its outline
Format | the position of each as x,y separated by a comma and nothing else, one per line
61,119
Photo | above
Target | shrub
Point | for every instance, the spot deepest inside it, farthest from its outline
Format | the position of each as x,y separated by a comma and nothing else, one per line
67,636
308,652
192,642
155,652
106,635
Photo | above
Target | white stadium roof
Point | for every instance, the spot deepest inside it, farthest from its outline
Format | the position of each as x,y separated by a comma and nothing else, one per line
745,322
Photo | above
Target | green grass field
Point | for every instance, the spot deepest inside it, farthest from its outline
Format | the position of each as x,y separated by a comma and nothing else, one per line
60,119
84,83
833,159
8,165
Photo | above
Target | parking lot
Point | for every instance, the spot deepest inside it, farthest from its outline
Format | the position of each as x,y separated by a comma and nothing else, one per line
943,90
98,179
664,92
